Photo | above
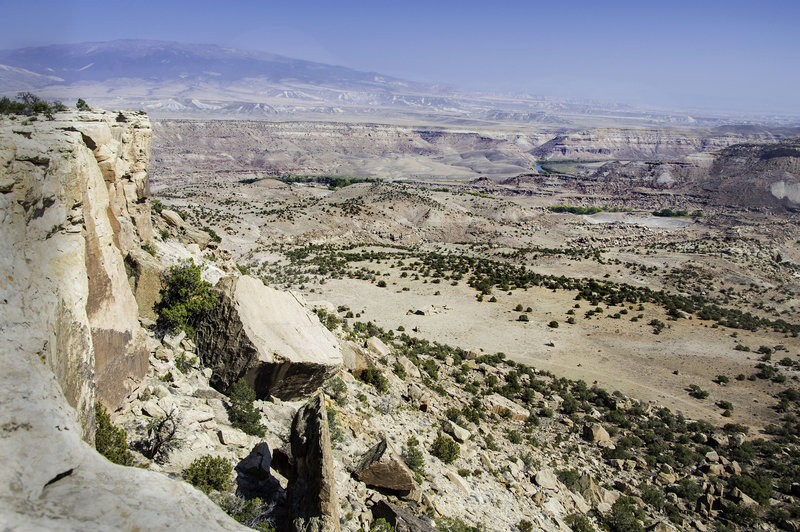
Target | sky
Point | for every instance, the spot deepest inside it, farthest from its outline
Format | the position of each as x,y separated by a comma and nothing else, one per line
733,55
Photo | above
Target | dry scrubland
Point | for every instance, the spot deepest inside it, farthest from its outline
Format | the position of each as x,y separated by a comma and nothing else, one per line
727,259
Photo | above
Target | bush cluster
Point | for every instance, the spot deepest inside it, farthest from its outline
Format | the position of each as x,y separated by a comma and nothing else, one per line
445,449
110,440
185,297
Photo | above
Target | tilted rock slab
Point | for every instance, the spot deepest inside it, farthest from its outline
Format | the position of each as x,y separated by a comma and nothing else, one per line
382,467
267,337
503,406
70,331
312,490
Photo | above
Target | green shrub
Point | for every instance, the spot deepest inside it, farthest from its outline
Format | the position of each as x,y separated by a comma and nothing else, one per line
625,516
81,105
414,459
758,487
375,377
185,297
524,526
686,489
454,524
336,432
213,234
579,523
242,414
209,473
337,390
399,370
30,105
252,513
110,440
653,495
445,449
381,525
553,324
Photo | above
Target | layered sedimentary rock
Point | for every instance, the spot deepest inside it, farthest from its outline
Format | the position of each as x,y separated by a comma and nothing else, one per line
643,144
751,175
72,201
267,337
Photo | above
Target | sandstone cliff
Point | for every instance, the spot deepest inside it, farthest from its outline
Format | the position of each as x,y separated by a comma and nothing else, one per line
73,201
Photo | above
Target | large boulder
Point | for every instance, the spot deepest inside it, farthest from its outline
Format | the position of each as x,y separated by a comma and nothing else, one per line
506,407
267,337
355,358
382,467
595,433
312,490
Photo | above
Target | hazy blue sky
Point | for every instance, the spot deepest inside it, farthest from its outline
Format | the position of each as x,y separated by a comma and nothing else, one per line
732,54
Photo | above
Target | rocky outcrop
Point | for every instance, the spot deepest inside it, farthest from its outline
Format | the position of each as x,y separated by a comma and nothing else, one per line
312,491
73,202
267,337
595,433
382,467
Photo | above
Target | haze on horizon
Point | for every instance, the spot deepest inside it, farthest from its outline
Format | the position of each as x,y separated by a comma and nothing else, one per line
726,56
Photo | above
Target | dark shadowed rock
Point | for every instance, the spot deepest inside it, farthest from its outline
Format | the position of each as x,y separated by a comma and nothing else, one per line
402,519
267,337
312,491
381,467
254,479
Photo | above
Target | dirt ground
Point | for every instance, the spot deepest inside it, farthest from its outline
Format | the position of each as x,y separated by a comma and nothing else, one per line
614,353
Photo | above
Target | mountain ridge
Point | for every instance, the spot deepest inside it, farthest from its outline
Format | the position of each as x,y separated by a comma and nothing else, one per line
175,79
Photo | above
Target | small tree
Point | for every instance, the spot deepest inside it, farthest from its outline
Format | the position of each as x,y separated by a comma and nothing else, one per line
414,458
110,440
185,297
161,437
243,414
209,473
81,105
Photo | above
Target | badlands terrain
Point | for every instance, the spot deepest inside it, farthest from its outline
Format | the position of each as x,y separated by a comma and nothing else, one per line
340,326
451,235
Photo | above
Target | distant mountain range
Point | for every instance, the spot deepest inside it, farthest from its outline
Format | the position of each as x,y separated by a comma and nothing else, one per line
191,80
165,62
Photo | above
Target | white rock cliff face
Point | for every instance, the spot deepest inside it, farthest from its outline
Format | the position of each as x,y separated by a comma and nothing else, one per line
72,201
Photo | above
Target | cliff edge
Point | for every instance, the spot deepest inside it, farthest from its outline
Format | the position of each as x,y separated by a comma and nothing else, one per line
73,203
